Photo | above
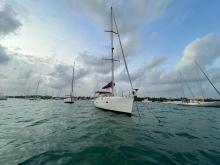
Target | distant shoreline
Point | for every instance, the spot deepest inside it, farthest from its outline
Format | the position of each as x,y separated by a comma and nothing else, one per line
152,99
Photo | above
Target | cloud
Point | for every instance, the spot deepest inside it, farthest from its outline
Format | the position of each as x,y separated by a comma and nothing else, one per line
3,55
129,14
8,21
144,71
154,62
205,50
93,64
92,72
98,11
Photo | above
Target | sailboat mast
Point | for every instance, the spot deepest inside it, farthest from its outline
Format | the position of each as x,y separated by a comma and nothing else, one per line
112,52
187,85
71,93
182,86
37,87
200,85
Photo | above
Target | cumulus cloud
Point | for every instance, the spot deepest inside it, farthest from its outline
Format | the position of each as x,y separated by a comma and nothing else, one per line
205,50
3,55
150,78
91,71
93,64
145,71
8,21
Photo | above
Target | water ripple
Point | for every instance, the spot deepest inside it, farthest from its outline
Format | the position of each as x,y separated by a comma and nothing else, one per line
51,132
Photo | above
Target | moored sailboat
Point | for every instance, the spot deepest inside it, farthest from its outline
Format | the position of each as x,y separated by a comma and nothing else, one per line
202,102
35,96
108,100
3,97
70,98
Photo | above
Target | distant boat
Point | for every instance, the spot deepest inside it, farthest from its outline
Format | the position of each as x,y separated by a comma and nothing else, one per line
172,102
199,103
35,97
146,101
108,100
202,102
2,97
70,98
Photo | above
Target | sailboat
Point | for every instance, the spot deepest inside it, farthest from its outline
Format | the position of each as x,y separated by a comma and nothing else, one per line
108,100
36,96
70,98
3,97
202,102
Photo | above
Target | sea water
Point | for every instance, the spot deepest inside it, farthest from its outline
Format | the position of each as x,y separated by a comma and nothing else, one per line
52,132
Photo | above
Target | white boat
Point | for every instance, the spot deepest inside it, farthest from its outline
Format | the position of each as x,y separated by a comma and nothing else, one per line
115,103
35,96
70,98
172,102
108,100
2,97
146,101
201,103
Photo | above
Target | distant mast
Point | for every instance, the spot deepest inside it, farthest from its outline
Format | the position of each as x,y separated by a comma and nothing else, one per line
71,92
112,53
36,92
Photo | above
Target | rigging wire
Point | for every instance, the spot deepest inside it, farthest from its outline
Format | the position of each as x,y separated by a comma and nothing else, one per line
200,84
187,86
126,67
182,86
207,78
123,55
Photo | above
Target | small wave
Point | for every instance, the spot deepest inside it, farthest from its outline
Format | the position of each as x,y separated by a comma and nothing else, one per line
48,157
38,122
184,134
25,121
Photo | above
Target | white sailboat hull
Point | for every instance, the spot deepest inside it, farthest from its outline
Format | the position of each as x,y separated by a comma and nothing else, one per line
68,100
3,97
146,101
114,103
202,103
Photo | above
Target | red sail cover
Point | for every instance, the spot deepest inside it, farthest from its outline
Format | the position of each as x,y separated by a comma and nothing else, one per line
109,85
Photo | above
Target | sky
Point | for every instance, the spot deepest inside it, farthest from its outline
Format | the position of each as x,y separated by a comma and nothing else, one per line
40,40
